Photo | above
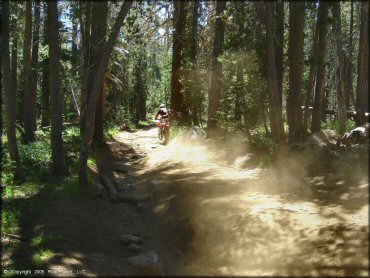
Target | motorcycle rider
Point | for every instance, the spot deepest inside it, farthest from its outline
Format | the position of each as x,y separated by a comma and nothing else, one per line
163,112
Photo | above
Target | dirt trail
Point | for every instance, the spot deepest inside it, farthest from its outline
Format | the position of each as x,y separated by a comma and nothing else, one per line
214,211
234,217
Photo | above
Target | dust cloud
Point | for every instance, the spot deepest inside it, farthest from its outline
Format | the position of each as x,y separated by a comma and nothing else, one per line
231,214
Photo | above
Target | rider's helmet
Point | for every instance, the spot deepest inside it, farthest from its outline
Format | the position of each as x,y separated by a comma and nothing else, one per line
162,106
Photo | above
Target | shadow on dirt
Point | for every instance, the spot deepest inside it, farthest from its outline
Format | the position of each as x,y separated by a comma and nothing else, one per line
260,224
290,218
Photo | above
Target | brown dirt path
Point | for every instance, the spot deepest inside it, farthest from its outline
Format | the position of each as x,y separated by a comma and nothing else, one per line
214,211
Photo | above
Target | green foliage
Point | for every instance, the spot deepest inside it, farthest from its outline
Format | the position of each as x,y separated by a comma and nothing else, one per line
335,125
45,240
39,259
10,218
110,132
121,117
36,154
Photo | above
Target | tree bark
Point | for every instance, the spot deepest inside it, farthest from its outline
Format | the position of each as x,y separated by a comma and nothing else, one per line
178,105
8,96
321,64
139,89
362,98
311,79
295,52
193,52
277,128
32,109
27,97
85,35
279,49
74,35
216,72
349,64
98,82
340,73
14,75
57,148
45,103
239,98
98,41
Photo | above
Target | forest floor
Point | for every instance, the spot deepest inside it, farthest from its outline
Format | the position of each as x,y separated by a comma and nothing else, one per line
213,210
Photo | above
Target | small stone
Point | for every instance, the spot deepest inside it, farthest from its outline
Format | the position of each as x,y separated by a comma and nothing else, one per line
133,197
133,247
119,170
127,239
147,264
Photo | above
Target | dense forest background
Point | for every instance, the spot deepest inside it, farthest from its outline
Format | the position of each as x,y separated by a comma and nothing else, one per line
266,171
275,71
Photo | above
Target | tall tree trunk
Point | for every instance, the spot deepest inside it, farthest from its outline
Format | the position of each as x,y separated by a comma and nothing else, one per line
277,128
8,96
74,35
139,89
98,82
322,50
362,98
86,46
177,95
239,95
27,92
35,69
279,47
14,74
45,103
295,52
311,79
57,148
239,98
98,41
349,64
216,72
340,77
193,52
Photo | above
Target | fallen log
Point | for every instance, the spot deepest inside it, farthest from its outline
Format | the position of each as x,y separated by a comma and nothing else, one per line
112,192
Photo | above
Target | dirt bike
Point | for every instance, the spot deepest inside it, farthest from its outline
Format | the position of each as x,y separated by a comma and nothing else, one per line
164,130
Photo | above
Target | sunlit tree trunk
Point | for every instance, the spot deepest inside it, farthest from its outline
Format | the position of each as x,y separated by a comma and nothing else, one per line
348,59
45,99
340,73
193,52
311,80
277,128
177,95
322,50
295,53
57,148
8,96
216,72
98,41
362,97
32,116
93,98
